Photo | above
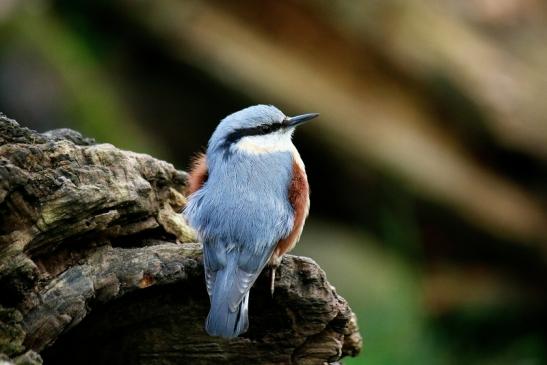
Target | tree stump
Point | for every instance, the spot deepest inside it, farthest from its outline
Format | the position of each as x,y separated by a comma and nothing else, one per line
97,266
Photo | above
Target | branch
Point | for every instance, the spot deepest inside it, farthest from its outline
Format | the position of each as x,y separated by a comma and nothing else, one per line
96,264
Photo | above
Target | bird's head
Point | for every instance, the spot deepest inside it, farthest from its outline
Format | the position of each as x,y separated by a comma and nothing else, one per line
257,129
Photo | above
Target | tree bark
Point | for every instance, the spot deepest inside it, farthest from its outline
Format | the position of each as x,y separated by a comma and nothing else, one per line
98,266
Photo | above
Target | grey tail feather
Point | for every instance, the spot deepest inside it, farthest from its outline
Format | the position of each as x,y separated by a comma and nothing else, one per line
223,322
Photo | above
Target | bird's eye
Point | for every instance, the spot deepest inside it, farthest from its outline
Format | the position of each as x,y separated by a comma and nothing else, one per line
265,128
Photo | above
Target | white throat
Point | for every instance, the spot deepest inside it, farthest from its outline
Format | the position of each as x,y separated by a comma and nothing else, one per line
273,142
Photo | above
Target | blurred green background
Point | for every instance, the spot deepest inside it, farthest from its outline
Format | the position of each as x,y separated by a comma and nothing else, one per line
428,165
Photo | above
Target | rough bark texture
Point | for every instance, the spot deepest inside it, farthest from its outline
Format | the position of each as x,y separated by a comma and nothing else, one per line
97,266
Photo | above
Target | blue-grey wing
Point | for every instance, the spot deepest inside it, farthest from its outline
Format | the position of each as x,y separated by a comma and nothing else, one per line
249,266
211,265
235,268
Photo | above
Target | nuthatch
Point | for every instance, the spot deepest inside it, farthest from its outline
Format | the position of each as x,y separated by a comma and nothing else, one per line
249,200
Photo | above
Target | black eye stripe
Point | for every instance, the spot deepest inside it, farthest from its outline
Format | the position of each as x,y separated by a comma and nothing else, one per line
263,129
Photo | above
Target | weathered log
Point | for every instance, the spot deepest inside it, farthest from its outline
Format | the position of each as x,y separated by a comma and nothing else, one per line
97,266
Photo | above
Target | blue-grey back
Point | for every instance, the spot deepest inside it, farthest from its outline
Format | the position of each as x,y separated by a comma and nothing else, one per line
245,199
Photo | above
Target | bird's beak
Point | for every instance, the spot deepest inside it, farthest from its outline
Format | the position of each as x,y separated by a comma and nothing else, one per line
299,119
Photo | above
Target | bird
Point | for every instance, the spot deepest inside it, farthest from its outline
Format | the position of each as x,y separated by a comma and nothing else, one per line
248,201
